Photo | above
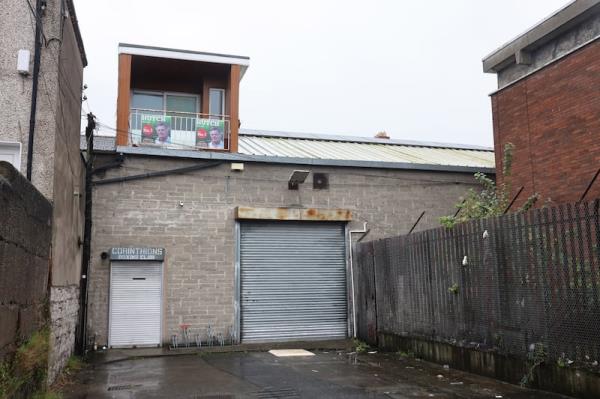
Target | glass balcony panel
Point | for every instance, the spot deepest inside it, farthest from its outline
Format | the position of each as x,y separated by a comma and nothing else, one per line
181,130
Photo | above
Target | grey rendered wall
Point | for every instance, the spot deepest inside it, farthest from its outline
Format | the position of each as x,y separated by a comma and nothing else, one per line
68,166
67,225
25,234
17,31
199,236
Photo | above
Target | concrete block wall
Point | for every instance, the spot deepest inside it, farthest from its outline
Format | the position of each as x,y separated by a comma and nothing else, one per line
552,118
25,236
199,236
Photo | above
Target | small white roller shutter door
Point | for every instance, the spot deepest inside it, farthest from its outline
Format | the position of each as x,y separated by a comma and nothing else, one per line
293,281
135,304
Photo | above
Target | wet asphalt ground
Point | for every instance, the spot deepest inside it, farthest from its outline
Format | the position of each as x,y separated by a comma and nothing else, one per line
328,374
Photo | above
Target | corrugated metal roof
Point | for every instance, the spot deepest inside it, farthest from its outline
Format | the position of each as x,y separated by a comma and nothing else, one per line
363,149
263,146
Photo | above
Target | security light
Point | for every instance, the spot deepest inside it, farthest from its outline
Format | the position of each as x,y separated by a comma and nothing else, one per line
297,177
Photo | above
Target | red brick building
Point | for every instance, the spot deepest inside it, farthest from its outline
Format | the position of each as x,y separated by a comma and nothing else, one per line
548,105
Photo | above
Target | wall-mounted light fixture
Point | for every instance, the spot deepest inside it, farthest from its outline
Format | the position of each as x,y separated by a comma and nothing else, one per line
237,166
297,177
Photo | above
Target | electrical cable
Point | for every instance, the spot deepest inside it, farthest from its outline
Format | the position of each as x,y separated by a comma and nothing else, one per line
54,57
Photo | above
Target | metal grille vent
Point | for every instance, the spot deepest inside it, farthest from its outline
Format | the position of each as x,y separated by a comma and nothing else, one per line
320,181
124,387
279,393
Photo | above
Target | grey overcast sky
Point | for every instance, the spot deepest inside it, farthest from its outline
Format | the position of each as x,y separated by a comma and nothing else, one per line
411,68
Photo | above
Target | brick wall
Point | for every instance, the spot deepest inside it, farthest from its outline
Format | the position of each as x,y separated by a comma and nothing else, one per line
553,118
25,234
199,237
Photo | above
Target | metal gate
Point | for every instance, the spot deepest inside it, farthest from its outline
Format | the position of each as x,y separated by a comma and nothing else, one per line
135,304
292,281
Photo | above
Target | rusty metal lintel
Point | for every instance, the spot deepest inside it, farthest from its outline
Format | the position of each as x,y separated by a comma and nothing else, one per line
306,214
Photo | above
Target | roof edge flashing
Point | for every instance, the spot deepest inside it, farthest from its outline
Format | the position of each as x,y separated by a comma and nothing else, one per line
187,55
237,157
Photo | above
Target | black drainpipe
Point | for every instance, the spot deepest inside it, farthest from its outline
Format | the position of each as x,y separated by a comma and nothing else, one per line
34,89
87,236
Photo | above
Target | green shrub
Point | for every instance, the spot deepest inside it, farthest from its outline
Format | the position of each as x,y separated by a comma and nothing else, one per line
26,372
491,200
360,346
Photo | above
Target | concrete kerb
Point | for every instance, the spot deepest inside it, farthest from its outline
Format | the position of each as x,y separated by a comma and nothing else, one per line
110,356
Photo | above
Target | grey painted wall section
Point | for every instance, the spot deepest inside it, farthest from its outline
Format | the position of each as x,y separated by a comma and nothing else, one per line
560,46
554,50
199,237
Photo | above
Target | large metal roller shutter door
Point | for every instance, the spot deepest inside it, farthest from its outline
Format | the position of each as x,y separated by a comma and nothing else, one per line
135,303
293,281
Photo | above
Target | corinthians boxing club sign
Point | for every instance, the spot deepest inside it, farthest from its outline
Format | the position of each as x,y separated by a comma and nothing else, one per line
120,253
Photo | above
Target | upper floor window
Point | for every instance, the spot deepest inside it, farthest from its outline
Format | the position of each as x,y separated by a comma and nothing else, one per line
216,104
166,103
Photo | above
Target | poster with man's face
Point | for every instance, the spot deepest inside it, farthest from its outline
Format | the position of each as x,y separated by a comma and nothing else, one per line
156,129
210,133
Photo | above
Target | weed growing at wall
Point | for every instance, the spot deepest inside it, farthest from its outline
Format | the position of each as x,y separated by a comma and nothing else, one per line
25,373
360,346
491,200
73,366
534,359
453,289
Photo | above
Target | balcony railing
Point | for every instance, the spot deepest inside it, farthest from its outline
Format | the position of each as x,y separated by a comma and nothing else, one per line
180,130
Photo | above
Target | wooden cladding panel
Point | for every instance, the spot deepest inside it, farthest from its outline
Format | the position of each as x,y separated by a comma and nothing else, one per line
234,100
124,87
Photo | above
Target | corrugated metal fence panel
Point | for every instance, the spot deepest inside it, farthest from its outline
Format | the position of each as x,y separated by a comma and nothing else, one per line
366,312
135,304
511,283
293,281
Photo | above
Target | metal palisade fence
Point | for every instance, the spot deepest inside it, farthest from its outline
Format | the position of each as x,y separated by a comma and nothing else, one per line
509,283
